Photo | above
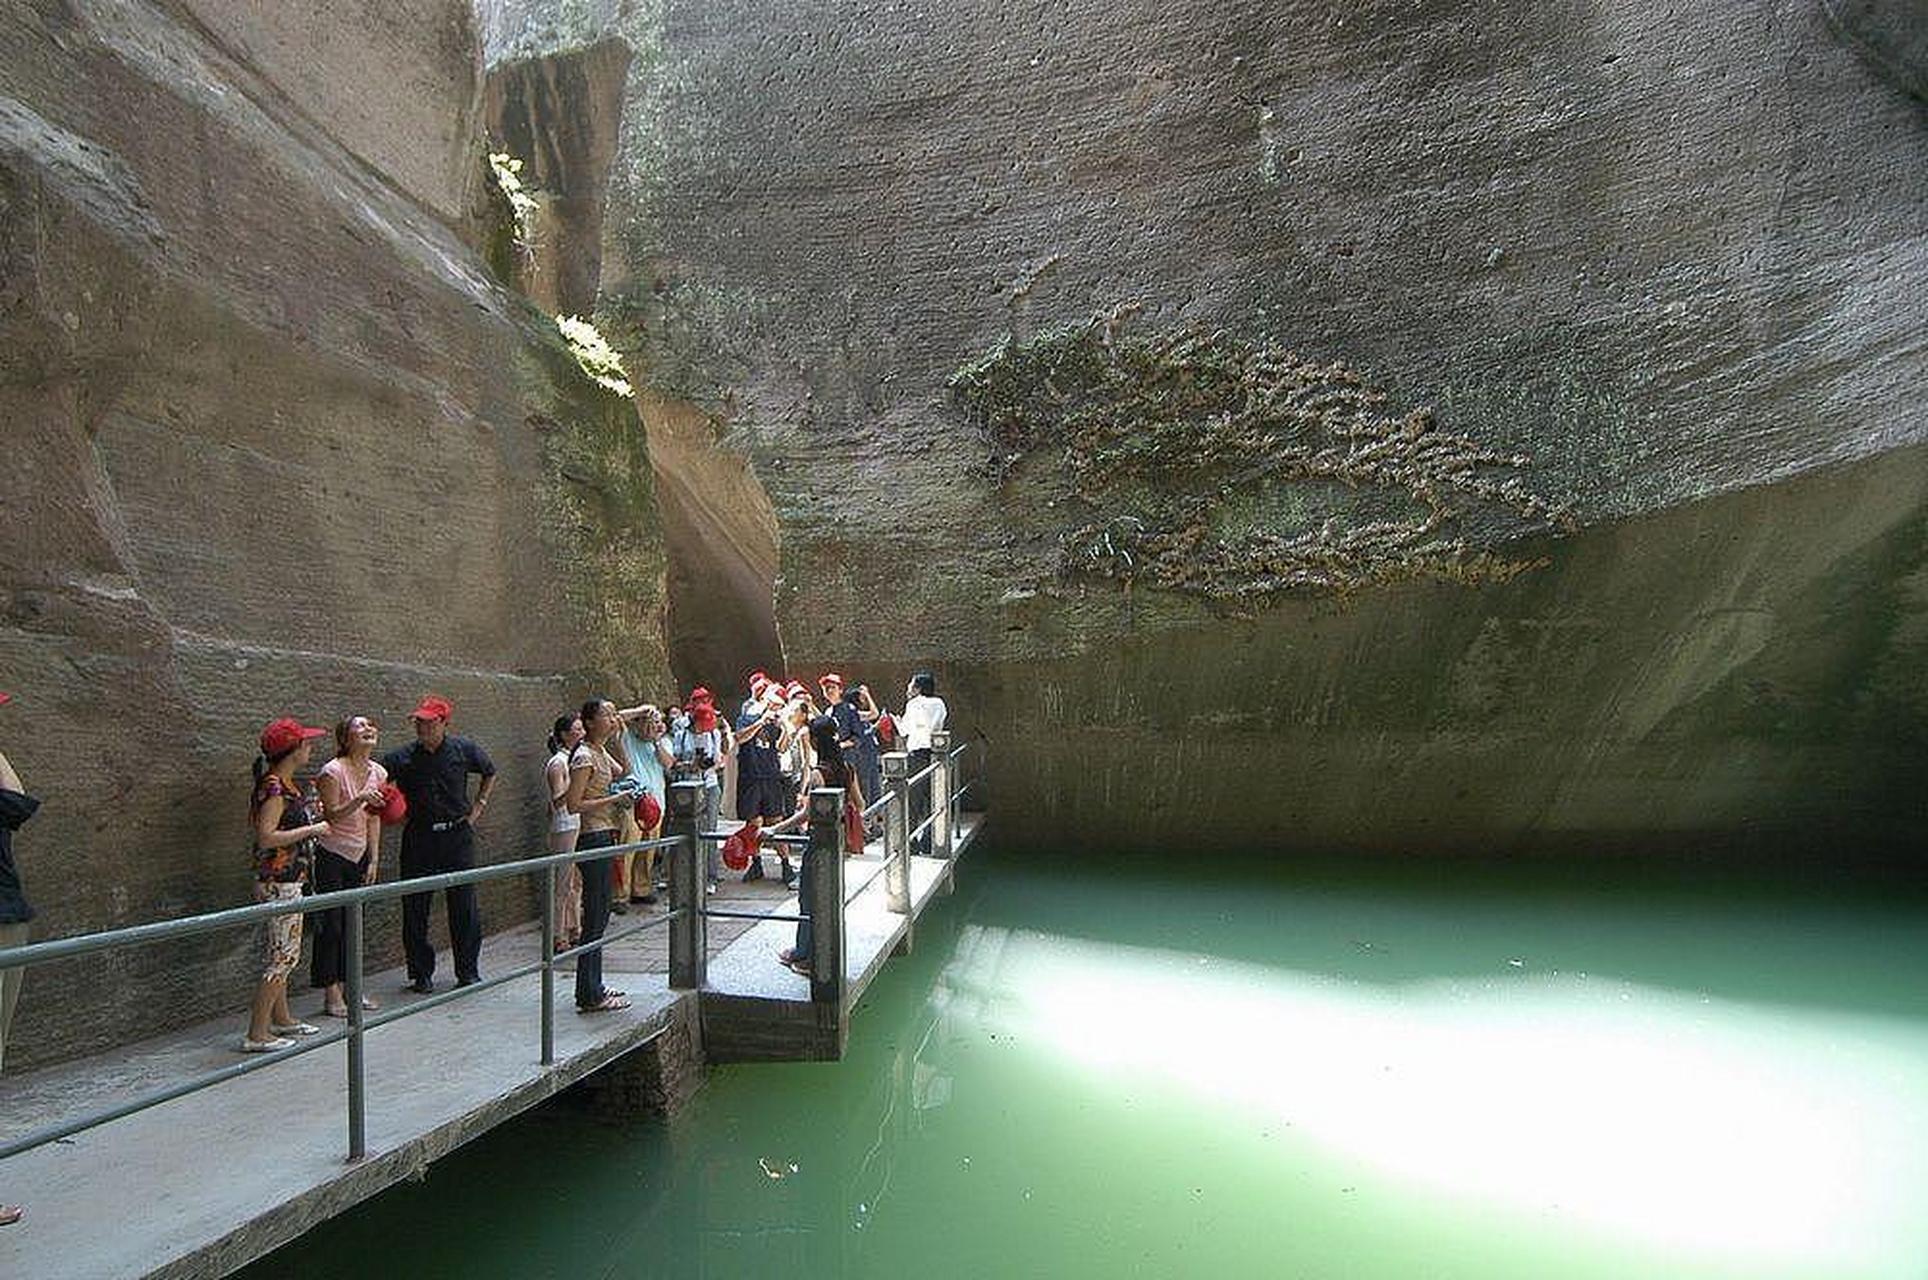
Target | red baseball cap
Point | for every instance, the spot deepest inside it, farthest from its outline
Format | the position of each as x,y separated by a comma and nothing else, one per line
701,697
284,735
795,689
432,707
830,677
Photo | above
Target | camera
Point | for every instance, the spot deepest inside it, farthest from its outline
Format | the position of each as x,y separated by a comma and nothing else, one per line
704,760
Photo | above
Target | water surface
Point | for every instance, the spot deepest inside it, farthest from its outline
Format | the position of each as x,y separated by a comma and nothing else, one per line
1438,1071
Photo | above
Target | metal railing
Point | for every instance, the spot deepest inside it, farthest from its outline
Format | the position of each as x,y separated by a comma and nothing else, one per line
359,1023
825,905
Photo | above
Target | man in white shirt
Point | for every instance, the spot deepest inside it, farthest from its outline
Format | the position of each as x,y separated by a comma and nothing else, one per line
924,714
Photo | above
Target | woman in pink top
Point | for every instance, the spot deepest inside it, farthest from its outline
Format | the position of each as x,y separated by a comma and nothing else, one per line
351,851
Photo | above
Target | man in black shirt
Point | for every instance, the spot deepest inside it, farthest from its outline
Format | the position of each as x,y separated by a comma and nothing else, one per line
16,806
438,835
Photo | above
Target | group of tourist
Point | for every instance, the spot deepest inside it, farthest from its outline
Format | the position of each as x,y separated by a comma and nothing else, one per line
326,834
607,774
608,771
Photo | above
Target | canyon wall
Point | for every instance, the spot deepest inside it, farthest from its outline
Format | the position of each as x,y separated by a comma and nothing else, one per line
1398,427
279,445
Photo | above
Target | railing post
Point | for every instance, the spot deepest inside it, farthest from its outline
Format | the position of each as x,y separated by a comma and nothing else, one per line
897,831
823,879
549,967
689,948
941,794
357,1072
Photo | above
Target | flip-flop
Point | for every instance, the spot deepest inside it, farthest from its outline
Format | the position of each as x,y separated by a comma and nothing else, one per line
265,1046
297,1029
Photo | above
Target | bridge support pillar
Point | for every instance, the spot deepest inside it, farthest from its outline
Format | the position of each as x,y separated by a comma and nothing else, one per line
689,947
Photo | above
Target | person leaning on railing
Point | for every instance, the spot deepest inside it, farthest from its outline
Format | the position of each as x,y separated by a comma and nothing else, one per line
285,826
16,806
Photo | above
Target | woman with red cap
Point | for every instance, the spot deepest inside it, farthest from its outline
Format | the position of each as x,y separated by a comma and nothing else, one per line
285,831
350,853
699,743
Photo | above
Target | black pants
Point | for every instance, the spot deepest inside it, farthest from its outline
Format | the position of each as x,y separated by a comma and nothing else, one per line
332,872
427,853
920,801
596,878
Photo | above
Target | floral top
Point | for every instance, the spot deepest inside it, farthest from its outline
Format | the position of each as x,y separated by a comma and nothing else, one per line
290,863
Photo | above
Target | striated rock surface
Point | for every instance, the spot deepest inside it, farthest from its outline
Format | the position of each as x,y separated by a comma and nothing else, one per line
279,444
1412,427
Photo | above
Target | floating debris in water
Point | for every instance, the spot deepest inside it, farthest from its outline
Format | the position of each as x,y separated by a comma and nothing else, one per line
778,1171
1517,964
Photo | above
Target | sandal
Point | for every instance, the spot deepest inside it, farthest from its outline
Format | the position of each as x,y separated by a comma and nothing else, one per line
265,1046
367,1002
296,1029
610,1003
10,1214
795,963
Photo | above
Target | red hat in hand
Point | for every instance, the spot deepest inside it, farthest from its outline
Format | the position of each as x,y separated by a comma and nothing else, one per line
284,735
742,844
649,811
394,805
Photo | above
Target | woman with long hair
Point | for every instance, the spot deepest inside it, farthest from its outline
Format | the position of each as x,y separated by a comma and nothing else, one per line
350,786
591,769
564,827
824,768
285,830
834,771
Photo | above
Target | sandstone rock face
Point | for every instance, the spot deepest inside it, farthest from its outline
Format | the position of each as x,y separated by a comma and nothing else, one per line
1634,298
279,445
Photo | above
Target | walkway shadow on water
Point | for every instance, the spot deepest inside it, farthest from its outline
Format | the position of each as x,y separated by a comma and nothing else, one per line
1768,935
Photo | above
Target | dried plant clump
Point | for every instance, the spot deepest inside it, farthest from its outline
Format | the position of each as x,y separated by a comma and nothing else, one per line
1166,434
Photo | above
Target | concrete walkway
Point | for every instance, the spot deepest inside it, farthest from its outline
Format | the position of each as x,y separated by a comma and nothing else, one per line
141,1196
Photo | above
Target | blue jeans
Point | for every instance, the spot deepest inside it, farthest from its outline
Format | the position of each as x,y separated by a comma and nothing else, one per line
595,917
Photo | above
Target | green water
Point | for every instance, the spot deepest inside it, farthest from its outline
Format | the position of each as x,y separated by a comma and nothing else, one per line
1437,1072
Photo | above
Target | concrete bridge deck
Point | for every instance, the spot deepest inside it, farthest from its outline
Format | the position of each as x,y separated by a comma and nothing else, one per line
206,1183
